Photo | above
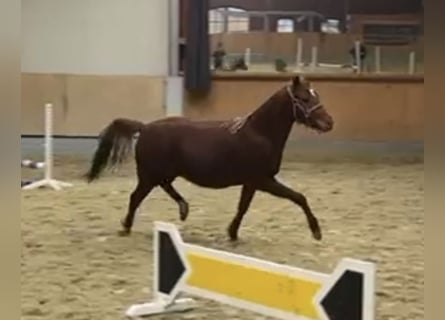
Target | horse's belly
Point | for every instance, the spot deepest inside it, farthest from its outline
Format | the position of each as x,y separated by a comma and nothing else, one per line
213,176
215,171
208,182
218,160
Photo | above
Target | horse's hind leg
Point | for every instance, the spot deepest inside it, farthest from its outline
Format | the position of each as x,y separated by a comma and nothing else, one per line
183,205
136,197
247,194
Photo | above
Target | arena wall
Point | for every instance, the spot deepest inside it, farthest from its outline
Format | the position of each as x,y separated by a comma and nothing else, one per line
84,104
365,108
95,60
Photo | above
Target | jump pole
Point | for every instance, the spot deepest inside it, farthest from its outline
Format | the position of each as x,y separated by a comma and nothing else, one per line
48,180
264,287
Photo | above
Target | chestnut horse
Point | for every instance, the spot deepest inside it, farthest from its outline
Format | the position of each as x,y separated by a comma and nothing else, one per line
246,152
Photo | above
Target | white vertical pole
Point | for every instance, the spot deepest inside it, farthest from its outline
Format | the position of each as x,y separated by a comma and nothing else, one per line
412,62
156,264
225,20
314,57
48,141
247,57
266,23
48,181
174,96
377,58
299,54
357,57
173,25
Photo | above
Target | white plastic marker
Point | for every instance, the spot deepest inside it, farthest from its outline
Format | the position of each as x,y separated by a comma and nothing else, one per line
48,180
264,287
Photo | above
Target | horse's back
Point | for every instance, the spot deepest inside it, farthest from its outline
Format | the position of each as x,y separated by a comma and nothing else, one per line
204,152
182,134
184,122
174,136
182,128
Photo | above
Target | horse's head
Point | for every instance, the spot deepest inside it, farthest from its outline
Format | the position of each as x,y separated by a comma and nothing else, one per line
306,106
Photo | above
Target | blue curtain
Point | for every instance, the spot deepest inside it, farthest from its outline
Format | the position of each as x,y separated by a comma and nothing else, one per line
197,60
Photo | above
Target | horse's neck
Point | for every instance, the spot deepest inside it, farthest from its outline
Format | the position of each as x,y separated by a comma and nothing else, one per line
274,119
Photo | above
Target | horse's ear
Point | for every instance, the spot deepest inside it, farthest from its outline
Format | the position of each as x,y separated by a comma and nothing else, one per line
297,81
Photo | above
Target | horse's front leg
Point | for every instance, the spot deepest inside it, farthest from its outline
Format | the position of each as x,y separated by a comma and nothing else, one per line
275,188
247,193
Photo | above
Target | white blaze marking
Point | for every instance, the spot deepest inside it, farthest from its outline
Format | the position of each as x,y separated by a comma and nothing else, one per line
312,91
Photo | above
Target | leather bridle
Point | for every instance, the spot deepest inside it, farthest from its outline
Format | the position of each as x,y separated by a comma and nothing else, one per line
299,104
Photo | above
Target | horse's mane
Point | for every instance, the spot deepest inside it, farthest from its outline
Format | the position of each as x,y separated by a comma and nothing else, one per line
234,125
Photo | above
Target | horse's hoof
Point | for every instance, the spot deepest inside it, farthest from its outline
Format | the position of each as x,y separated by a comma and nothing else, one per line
317,235
183,211
233,236
124,233
183,216
315,228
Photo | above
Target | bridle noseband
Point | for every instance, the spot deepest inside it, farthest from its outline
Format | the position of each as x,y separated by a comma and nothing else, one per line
301,105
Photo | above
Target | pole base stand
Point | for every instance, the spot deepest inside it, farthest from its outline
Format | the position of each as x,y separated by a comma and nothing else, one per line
51,183
160,307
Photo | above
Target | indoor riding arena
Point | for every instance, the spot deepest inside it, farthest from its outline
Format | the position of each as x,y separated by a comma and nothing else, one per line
96,61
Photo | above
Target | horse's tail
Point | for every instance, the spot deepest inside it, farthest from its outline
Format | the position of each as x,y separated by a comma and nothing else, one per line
115,142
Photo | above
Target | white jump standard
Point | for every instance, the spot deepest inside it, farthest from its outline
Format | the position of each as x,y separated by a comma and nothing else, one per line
48,180
264,287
